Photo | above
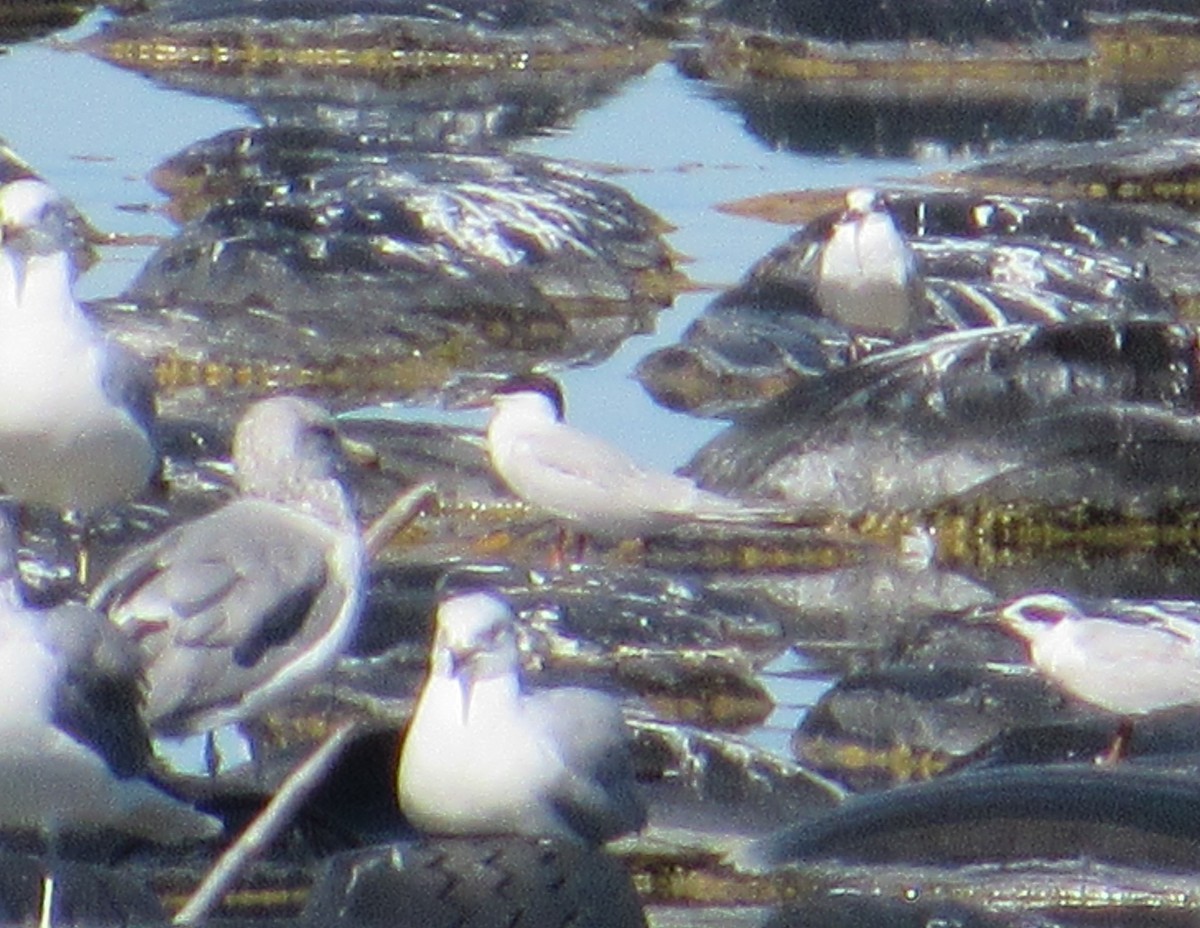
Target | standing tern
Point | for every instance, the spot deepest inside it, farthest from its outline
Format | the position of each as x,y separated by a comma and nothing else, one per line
71,739
1131,660
483,757
75,424
249,604
580,478
866,272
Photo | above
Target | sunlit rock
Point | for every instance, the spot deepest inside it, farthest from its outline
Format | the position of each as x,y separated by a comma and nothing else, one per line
1051,413
370,272
980,261
877,729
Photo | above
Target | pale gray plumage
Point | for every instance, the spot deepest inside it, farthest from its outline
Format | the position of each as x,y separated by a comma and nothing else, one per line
71,741
583,479
1132,661
75,425
240,608
483,757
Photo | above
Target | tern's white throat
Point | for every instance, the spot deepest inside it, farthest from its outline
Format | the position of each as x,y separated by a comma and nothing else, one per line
484,757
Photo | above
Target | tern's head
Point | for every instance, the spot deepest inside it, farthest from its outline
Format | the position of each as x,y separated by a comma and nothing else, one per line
476,638
283,446
1034,615
861,201
532,396
33,218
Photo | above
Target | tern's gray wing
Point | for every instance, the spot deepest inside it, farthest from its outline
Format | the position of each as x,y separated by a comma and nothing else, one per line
99,695
221,604
577,455
128,382
599,799
1111,647
1179,619
596,475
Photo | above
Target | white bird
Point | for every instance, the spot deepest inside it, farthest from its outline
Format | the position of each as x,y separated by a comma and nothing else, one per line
71,740
483,757
245,606
866,272
582,479
75,424
1131,660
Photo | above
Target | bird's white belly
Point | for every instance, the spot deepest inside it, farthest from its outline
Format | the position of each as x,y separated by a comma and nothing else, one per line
1127,671
484,779
96,457
110,460
44,785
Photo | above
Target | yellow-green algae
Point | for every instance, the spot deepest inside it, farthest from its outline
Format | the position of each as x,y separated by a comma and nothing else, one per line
902,763
1127,53
252,53
985,533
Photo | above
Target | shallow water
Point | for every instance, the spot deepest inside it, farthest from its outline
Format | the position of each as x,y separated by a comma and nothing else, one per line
95,131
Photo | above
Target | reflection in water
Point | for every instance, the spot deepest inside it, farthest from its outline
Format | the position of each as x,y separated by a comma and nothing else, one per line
702,622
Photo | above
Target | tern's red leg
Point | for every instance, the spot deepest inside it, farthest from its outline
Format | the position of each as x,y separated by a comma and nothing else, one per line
1120,743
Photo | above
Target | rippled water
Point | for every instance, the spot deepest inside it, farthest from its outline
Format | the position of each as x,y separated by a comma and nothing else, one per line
95,131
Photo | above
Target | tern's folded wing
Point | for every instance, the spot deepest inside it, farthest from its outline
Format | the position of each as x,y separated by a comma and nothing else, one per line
99,693
577,455
598,799
222,604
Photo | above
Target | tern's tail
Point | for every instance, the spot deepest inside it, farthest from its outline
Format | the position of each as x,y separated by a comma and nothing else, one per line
712,507
163,819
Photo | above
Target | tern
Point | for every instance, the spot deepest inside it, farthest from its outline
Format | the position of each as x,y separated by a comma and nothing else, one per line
237,610
1131,660
580,478
866,271
483,757
76,421
71,740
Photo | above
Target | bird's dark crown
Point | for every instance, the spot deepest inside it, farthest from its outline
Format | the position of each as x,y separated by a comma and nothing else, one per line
535,383
1046,609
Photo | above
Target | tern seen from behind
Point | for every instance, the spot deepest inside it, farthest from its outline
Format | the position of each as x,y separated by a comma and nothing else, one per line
484,757
71,740
251,603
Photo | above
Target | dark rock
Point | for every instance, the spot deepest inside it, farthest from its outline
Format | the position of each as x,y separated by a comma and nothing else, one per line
721,785
1117,815
357,278
84,895
481,882
1056,414
911,20
982,261
873,730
